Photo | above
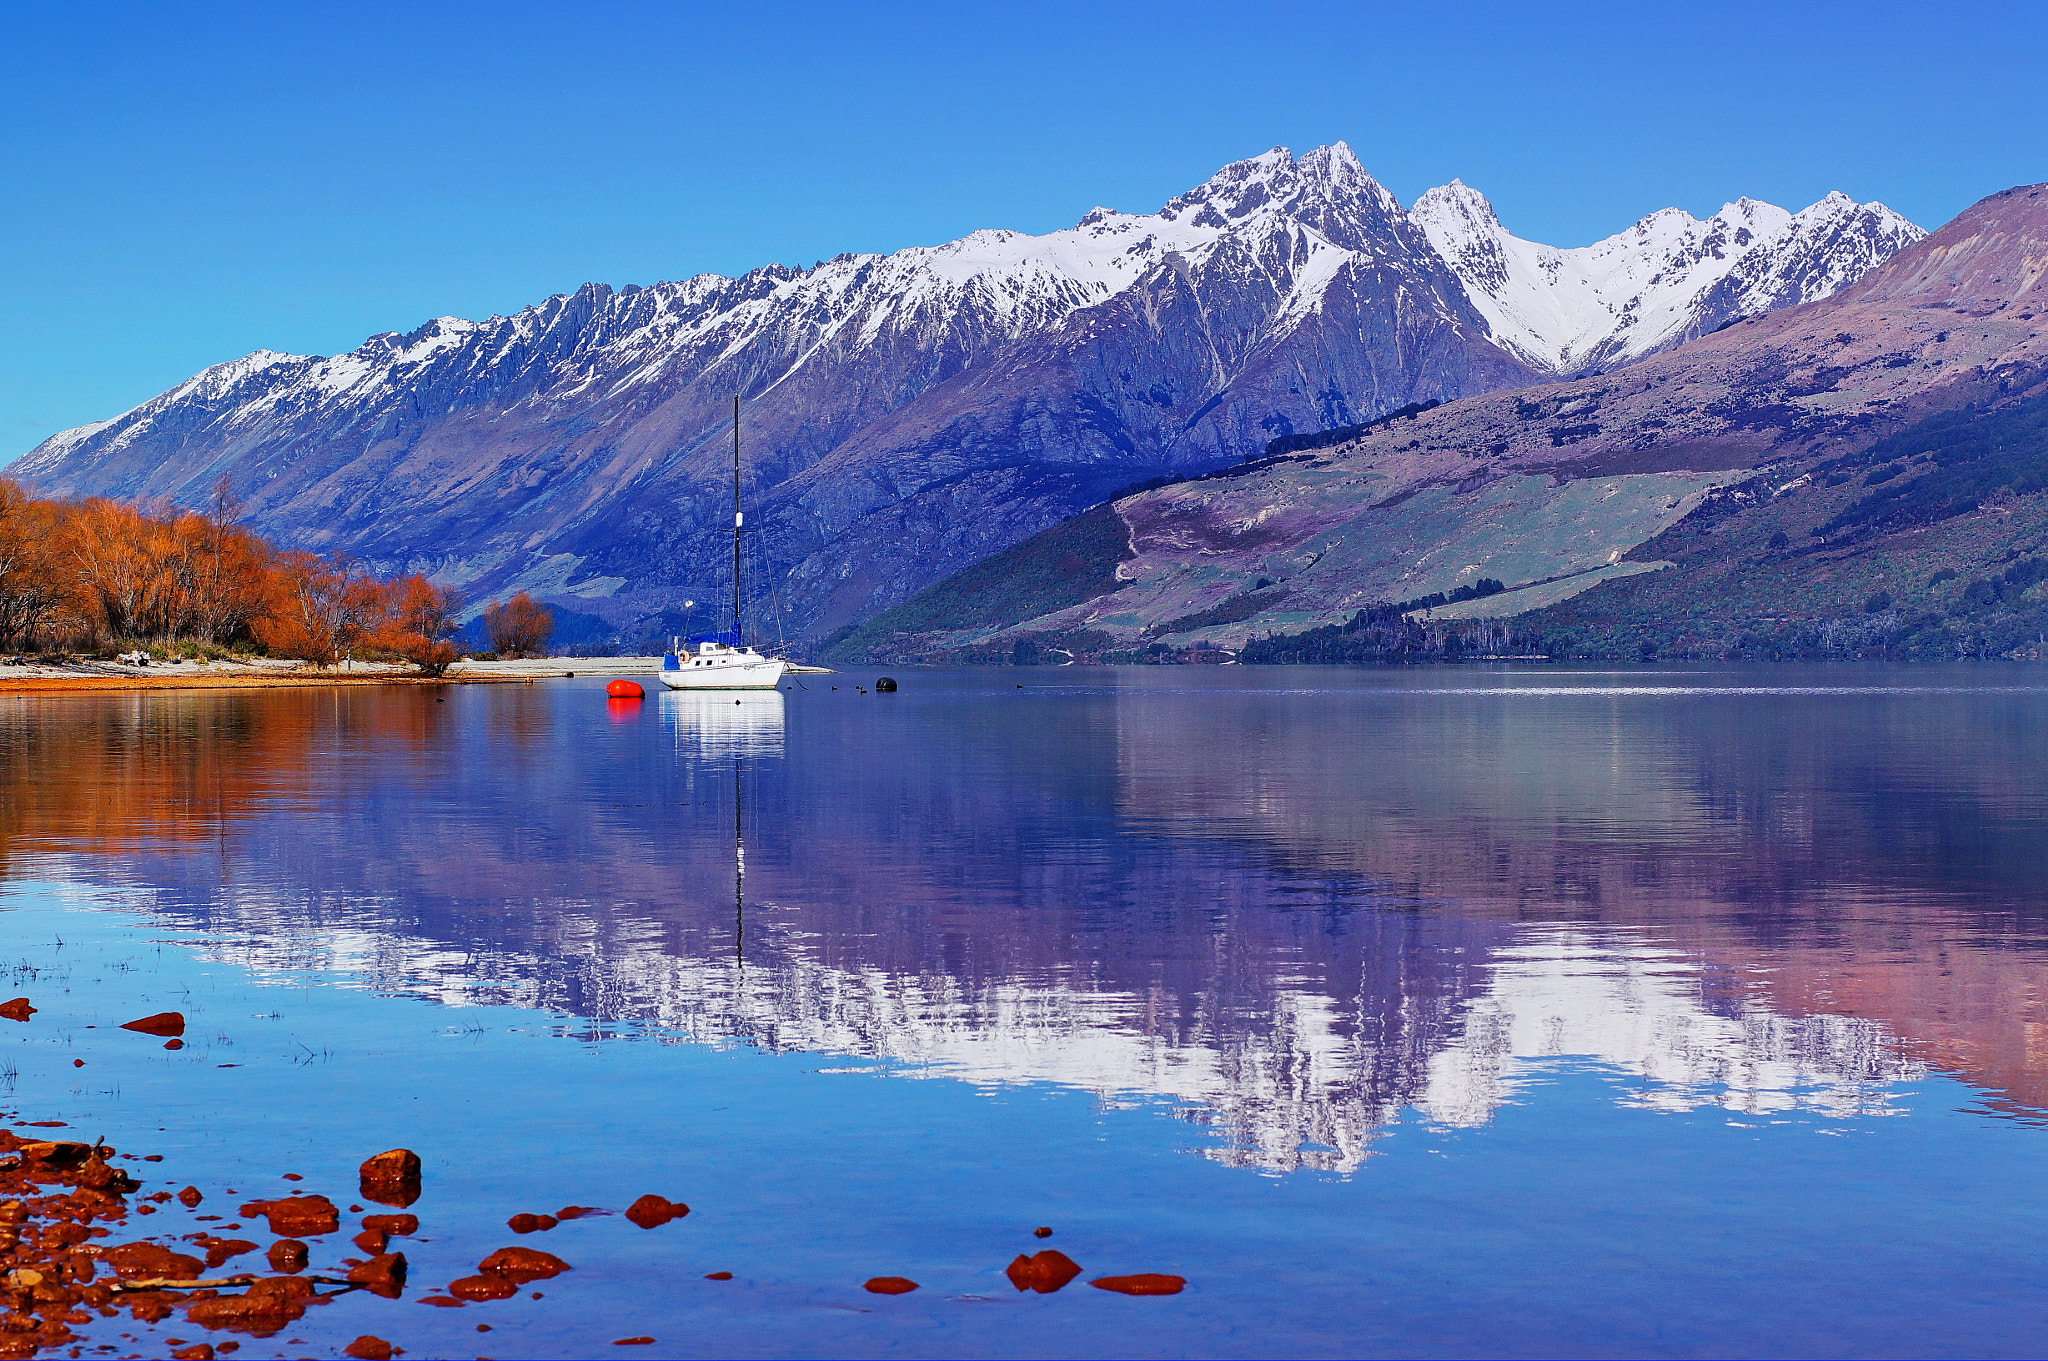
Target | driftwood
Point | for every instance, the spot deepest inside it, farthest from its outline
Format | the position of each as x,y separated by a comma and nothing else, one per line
158,1283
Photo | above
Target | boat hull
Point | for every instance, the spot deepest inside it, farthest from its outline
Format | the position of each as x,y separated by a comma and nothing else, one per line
762,674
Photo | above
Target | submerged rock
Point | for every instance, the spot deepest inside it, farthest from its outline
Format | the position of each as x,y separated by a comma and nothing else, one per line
521,1265
482,1288
652,1211
1144,1283
296,1216
265,1308
392,1177
1044,1272
151,1261
383,1274
288,1255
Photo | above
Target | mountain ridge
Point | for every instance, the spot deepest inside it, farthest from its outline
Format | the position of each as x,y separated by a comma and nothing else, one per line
1605,478
908,413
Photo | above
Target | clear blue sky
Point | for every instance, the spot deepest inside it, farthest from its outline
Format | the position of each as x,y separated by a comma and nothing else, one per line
186,182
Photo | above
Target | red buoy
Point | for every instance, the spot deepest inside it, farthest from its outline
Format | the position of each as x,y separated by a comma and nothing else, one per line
625,689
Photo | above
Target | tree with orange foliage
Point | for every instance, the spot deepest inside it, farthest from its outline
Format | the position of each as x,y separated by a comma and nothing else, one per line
32,593
321,608
421,625
519,627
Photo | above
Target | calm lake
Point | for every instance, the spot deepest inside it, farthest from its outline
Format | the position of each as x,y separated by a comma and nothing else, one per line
1659,1011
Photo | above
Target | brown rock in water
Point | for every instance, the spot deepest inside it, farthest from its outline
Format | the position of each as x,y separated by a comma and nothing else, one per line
440,1302
143,1261
17,1010
890,1285
1144,1283
1041,1232
482,1288
372,1241
652,1211
1045,1272
57,1153
368,1348
578,1211
521,1265
392,1178
526,1223
718,1276
190,1197
265,1308
398,1226
296,1216
174,1044
633,1342
78,1063
167,1025
289,1256
383,1274
219,1250
200,1352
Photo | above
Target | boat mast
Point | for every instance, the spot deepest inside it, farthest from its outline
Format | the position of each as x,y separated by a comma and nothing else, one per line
737,520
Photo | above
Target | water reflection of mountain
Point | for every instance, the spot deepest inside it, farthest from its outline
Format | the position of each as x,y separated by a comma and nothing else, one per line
1291,921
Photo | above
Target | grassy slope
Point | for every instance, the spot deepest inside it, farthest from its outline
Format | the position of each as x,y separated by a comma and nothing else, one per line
1930,544
1072,562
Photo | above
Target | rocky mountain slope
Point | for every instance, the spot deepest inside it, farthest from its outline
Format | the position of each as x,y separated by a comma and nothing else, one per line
1793,467
910,414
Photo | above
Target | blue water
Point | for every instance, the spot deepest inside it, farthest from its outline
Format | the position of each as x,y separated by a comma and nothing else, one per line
1649,1011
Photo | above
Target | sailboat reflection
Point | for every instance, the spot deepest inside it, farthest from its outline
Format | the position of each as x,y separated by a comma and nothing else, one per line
715,723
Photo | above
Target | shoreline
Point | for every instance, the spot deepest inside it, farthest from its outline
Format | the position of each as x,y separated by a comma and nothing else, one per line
33,685
110,676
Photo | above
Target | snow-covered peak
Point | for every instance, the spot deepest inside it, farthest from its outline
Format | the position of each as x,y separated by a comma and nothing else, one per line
1456,202
213,386
1289,228
1664,279
61,443
1277,182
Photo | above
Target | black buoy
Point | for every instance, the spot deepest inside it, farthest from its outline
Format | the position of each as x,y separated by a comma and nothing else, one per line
885,686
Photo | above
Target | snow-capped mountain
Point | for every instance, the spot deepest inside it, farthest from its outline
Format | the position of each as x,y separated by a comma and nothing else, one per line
1665,280
910,413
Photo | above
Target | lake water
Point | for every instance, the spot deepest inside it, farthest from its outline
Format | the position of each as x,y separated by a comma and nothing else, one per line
1546,1011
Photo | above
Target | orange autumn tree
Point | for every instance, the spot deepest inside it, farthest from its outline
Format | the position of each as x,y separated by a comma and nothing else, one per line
95,572
518,627
32,590
321,609
421,623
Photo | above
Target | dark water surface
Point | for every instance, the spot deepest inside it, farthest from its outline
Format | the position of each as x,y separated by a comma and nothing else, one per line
1607,1012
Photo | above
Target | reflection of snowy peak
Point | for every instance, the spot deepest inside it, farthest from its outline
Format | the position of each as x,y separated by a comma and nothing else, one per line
1288,1085
1668,278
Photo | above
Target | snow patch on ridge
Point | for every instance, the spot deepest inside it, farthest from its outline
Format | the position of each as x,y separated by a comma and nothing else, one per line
1662,281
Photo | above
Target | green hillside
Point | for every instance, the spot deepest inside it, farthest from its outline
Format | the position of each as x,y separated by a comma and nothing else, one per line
1072,562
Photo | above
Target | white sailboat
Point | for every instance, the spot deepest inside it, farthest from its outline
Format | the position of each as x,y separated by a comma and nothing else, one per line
723,661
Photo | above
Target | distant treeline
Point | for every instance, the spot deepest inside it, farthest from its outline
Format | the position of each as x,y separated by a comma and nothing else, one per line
95,574
1343,434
